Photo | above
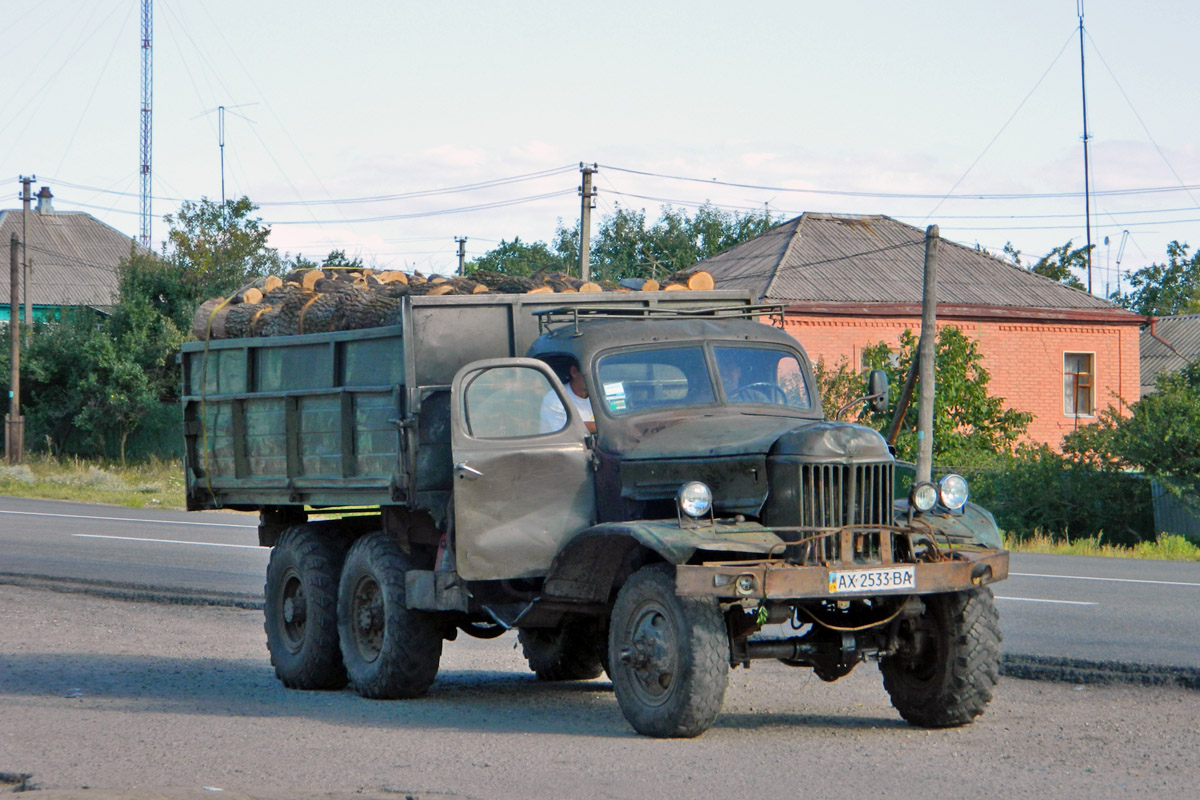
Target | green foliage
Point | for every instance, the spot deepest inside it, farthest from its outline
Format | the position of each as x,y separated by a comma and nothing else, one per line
220,246
626,246
519,258
1163,290
1061,262
969,424
1163,434
1037,491
89,382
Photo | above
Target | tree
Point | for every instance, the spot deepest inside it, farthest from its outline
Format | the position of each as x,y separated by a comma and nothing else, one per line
1163,290
969,424
626,246
1060,265
1160,435
519,258
220,245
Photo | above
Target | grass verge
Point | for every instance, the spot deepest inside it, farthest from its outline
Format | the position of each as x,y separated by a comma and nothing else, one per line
1168,547
151,484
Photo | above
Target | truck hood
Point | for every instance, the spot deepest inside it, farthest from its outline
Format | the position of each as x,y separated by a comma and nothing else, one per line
716,436
833,441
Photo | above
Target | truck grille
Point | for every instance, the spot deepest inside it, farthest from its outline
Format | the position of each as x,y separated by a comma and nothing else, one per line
836,495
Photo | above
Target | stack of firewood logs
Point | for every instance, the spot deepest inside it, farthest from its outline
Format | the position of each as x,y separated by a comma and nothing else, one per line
319,300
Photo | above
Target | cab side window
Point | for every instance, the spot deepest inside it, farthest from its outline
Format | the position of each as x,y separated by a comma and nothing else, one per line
505,403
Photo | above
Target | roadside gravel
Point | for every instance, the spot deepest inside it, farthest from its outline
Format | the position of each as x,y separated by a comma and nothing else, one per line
103,699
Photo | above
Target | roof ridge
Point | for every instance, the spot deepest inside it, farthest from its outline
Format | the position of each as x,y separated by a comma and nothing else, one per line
795,234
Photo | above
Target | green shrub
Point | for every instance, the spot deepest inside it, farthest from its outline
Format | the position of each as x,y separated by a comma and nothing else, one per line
1038,491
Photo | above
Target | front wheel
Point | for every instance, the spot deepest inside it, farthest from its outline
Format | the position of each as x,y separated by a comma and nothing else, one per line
390,651
668,656
948,660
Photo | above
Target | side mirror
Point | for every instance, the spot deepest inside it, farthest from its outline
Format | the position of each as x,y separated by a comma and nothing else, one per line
877,391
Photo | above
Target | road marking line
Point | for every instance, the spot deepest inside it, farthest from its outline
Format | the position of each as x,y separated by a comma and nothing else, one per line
130,519
1036,600
166,541
1110,580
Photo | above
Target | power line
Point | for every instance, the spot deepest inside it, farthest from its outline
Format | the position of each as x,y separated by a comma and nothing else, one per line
908,196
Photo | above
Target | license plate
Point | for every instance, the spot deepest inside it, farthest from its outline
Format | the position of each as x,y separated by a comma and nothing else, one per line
879,579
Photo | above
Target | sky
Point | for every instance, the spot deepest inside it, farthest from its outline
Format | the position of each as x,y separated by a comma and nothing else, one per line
388,129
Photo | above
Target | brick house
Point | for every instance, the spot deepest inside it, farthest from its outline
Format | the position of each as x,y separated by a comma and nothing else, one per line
73,259
848,282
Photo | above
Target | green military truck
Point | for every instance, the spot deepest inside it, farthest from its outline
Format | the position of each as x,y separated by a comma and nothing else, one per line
435,477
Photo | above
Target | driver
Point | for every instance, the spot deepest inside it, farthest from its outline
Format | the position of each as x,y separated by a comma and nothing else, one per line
735,390
554,416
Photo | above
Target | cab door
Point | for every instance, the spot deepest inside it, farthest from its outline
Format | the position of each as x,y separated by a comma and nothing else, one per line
519,491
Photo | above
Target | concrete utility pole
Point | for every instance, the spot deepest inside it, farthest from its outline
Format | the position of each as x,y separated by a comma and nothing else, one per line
24,245
926,350
587,203
462,253
14,423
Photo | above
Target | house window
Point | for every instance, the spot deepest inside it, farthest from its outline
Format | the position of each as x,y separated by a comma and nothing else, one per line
1079,380
893,359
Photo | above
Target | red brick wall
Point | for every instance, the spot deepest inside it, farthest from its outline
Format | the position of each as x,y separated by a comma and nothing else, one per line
1024,358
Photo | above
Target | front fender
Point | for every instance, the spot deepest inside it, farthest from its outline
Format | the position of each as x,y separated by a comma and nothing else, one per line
975,525
587,566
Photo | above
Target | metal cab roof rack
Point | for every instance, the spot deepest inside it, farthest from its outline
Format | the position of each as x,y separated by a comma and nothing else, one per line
571,315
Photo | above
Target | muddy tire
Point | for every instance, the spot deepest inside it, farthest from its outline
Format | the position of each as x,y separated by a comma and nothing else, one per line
668,656
946,679
300,610
390,651
565,653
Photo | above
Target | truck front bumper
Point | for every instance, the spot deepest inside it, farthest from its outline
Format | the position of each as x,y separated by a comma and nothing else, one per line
778,580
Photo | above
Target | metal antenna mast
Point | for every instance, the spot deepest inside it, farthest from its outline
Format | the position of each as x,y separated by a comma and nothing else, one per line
1087,203
147,114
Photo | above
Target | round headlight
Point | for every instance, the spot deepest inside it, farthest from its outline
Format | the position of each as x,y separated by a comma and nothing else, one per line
924,496
952,490
695,499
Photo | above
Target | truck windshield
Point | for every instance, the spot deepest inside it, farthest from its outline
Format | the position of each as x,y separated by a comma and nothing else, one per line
640,380
761,375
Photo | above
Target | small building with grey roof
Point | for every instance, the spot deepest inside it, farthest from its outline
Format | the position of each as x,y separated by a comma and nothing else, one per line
1168,344
73,259
848,282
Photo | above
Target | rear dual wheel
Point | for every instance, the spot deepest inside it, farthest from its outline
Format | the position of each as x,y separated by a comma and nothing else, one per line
300,610
390,651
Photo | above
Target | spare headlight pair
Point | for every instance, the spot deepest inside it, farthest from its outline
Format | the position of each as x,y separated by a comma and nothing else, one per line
951,492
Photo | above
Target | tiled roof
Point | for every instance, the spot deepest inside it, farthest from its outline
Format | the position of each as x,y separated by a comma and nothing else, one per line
74,257
843,259
1181,347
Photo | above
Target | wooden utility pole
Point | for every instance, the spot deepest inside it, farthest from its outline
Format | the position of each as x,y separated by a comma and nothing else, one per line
926,350
14,423
462,253
587,203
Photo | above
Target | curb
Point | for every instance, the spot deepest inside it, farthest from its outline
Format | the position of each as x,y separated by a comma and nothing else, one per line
124,591
1097,673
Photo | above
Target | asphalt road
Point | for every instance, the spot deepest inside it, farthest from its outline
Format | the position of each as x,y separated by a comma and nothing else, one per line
103,699
1094,609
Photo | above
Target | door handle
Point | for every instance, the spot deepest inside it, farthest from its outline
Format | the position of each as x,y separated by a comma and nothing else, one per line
467,472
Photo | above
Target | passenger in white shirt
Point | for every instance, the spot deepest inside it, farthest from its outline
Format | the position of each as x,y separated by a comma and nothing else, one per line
554,416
